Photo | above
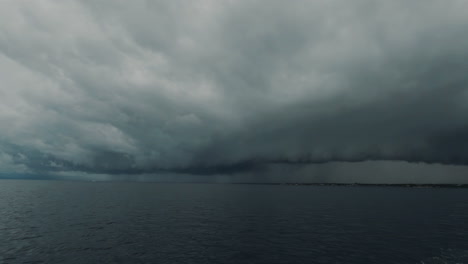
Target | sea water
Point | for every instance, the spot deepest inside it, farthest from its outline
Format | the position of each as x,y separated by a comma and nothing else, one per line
124,222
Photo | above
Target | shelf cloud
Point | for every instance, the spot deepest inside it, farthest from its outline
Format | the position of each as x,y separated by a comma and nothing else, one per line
210,87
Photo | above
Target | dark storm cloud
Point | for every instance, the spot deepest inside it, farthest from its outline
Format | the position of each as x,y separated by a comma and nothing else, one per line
211,87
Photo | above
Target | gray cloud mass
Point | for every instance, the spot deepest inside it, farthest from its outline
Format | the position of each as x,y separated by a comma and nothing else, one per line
212,86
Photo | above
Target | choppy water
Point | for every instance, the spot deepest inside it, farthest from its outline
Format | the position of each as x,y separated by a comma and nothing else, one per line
80,222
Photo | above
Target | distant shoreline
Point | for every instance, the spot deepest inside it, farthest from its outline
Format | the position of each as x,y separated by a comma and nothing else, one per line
410,185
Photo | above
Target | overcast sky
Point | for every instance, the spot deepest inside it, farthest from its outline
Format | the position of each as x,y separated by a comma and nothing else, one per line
212,87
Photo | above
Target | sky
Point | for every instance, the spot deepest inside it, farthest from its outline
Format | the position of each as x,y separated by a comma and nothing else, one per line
319,90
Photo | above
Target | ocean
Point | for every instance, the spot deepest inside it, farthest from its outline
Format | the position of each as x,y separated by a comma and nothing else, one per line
130,222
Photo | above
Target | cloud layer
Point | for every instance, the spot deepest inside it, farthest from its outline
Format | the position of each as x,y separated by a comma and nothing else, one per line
214,86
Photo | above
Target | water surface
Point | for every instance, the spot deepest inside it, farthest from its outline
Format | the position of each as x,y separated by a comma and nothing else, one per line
117,222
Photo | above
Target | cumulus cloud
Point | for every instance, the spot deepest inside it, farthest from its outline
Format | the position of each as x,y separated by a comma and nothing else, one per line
218,86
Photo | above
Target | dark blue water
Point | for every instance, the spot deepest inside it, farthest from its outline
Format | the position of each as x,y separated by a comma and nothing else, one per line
80,222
